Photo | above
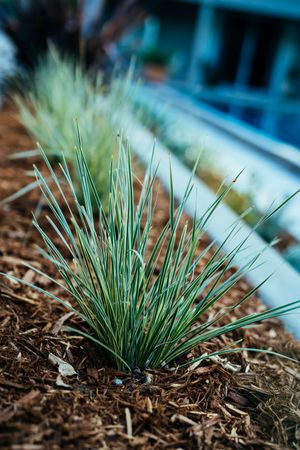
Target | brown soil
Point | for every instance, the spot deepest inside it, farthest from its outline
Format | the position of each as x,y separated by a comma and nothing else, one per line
247,401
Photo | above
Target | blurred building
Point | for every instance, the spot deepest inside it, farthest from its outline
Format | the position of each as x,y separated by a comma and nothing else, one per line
242,56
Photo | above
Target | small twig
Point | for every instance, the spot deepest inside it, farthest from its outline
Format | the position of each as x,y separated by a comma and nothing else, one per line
59,324
13,296
128,422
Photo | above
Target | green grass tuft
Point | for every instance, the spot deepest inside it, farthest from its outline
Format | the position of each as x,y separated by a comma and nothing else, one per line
141,314
62,92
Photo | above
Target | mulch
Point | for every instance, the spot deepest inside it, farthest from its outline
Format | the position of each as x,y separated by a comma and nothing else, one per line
245,400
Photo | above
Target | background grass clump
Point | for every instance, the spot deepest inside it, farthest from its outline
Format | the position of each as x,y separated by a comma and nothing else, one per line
61,92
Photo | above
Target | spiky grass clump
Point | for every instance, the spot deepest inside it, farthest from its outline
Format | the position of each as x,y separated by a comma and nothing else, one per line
61,92
138,318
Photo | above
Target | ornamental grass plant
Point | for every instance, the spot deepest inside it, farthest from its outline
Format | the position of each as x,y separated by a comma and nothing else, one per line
62,92
140,312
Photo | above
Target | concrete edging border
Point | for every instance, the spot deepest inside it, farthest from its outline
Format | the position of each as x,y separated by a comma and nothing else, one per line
261,142
283,286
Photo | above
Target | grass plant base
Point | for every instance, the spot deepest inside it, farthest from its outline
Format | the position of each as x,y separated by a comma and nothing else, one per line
244,401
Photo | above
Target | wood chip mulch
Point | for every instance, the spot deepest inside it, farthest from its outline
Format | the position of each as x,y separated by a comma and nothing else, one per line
247,401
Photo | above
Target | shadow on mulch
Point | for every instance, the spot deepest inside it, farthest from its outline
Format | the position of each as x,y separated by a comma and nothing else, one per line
243,401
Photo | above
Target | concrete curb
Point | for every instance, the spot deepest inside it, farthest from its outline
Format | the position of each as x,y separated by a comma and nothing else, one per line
285,153
283,286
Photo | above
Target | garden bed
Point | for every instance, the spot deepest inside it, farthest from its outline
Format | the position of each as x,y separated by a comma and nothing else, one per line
244,401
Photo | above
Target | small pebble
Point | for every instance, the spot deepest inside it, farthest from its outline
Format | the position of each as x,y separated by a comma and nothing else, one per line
147,379
118,382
